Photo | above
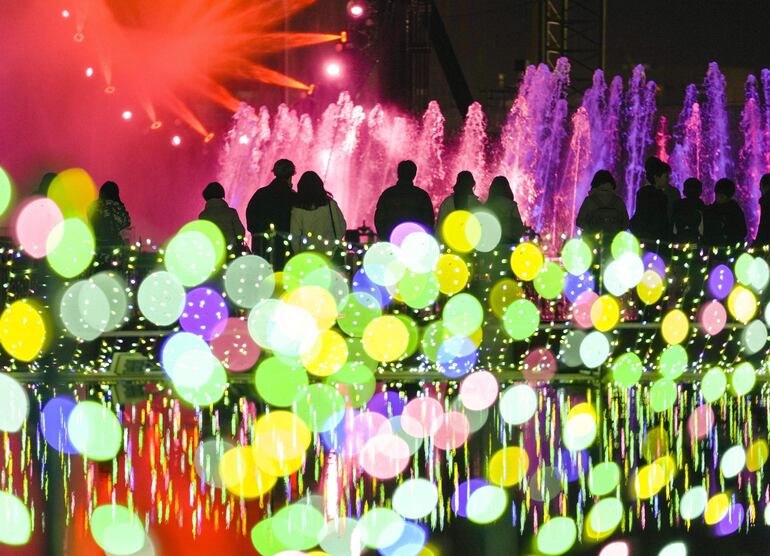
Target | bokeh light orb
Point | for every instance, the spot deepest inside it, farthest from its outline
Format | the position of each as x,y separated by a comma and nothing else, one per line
712,317
521,319
73,191
16,523
556,536
94,431
14,404
526,261
248,280
23,330
385,338
36,219
70,247
6,191
576,256
117,530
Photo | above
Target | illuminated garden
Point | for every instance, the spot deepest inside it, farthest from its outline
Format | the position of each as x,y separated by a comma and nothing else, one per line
186,387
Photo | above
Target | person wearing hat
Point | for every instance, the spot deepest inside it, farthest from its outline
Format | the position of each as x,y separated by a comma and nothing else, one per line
220,213
269,212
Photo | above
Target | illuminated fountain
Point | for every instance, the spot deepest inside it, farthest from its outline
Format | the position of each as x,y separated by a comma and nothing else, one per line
547,151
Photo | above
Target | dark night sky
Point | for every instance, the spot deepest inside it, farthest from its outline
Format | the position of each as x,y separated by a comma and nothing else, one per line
675,38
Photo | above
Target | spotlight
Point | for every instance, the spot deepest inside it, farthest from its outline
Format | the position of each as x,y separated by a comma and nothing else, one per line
109,89
243,139
78,37
208,137
176,140
89,72
65,14
333,69
127,115
156,124
356,9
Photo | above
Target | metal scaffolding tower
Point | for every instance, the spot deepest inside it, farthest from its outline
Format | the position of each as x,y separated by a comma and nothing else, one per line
575,29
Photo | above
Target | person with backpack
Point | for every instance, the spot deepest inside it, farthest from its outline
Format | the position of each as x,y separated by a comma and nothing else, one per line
602,211
223,215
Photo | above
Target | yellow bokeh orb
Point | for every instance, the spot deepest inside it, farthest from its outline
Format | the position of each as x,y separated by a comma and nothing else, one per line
385,338
461,231
452,274
650,288
742,304
675,327
241,475
656,444
327,356
281,436
503,293
508,466
526,261
756,455
650,480
317,302
73,191
716,508
23,330
605,313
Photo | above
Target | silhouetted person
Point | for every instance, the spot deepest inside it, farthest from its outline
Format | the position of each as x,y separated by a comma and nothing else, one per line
603,211
763,231
403,202
220,213
654,203
724,221
501,203
688,213
462,197
109,218
269,210
659,174
316,213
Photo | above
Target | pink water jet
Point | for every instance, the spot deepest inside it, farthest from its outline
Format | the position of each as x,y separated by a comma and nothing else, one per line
548,154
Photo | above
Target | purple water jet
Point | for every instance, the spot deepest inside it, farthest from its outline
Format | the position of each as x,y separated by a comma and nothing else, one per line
716,132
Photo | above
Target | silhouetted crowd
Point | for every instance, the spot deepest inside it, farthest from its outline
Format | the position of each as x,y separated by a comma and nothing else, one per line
663,215
284,221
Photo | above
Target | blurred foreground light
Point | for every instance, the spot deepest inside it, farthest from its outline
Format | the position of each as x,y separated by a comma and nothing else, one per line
127,115
333,69
176,140
356,9
674,549
617,548
89,71
65,14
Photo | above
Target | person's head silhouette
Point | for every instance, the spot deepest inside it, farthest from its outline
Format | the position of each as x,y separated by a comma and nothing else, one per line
658,172
603,177
500,188
406,171
724,190
109,191
284,169
214,190
692,188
